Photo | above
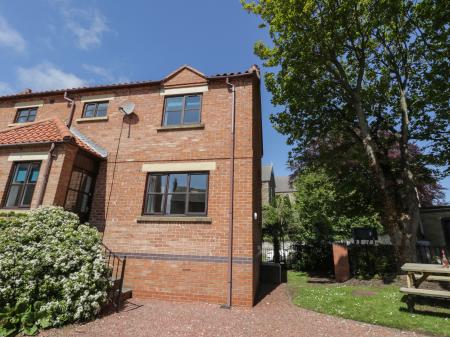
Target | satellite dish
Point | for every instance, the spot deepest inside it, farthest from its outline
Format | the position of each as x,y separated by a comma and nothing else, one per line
127,108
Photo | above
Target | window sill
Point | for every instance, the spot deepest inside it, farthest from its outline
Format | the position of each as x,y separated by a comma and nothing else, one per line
19,124
4,211
91,119
181,127
190,219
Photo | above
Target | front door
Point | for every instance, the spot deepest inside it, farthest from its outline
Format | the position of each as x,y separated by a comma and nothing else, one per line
79,194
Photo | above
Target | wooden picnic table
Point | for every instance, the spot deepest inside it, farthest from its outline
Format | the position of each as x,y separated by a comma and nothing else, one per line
417,273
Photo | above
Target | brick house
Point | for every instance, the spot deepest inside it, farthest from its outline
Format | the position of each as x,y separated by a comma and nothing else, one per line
156,182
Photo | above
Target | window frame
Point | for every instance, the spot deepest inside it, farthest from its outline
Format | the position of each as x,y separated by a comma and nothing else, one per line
96,103
23,186
164,124
29,109
166,193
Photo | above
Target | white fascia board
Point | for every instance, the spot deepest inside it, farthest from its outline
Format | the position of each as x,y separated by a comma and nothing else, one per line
183,90
180,167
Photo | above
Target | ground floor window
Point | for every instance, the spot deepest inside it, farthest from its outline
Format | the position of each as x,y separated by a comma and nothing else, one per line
176,193
24,176
79,193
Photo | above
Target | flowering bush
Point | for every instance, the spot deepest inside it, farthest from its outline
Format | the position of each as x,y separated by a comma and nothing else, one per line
52,271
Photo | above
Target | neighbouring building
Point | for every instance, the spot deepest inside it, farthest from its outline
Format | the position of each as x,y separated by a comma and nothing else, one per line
284,186
267,184
435,226
150,164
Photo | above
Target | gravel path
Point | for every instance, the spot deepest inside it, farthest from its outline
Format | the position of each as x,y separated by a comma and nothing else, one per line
274,316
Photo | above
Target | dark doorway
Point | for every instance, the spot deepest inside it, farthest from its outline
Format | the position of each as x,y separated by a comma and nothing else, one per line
446,229
79,194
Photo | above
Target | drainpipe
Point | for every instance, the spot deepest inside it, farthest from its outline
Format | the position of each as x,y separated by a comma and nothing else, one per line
48,166
231,211
72,109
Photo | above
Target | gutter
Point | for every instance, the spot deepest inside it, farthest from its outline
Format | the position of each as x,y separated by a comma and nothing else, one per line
72,109
231,211
29,144
48,166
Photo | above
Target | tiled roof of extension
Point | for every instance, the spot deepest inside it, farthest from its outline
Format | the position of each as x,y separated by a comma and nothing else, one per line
252,70
43,132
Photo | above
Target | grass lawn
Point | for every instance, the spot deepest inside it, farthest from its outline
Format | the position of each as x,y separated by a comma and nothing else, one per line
380,305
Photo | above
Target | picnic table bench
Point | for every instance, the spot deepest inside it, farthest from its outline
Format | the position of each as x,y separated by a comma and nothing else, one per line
417,273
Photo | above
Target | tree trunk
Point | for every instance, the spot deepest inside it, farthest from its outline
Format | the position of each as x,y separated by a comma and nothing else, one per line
402,234
411,216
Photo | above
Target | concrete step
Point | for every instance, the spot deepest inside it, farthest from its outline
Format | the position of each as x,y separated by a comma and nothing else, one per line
126,293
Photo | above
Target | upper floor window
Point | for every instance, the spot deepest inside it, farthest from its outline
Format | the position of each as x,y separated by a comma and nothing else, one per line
95,109
21,186
25,115
182,110
176,193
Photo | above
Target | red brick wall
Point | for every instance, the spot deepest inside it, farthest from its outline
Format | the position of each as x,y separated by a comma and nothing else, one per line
164,257
58,109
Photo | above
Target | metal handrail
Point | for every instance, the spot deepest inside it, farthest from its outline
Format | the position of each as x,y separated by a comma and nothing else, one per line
115,262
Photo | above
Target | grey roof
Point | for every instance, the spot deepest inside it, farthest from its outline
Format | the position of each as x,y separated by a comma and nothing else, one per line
283,185
266,172
94,146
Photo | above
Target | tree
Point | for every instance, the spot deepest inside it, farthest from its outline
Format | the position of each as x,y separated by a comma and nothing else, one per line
328,207
276,219
356,69
341,158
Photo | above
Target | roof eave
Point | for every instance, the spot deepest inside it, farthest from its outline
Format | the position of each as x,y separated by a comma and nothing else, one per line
32,143
112,87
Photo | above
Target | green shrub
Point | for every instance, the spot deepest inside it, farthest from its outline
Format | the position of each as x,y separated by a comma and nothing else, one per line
52,271
368,261
317,258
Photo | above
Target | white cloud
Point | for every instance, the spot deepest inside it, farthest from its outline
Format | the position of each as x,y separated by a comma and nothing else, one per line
104,73
11,38
5,88
46,76
87,26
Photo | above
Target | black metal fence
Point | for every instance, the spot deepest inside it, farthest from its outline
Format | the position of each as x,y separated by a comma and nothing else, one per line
366,260
314,258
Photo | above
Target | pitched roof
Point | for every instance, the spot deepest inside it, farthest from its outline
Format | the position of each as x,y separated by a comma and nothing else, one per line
176,71
266,172
283,184
43,132
253,70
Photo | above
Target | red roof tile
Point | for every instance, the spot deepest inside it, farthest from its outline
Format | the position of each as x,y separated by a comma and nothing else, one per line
42,132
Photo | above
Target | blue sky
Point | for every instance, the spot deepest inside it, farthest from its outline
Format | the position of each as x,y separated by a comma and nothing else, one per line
48,44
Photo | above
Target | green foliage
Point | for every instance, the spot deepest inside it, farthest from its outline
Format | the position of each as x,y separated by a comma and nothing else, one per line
52,271
277,218
369,261
23,317
370,72
328,208
317,258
